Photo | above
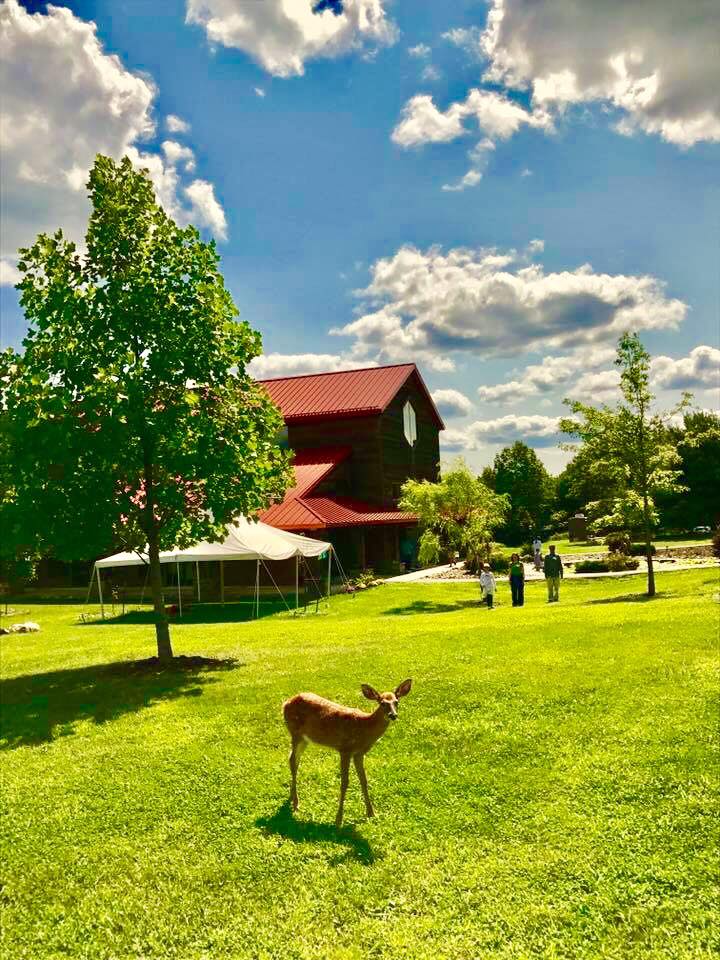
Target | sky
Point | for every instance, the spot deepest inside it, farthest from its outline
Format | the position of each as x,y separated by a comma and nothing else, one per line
493,190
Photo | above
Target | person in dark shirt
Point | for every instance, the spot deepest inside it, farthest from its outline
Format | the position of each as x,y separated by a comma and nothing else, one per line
553,568
517,580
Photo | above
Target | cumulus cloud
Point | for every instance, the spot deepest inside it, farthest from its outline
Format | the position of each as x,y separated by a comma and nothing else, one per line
281,35
654,60
432,305
176,124
205,209
535,430
452,403
65,100
269,365
430,73
9,274
497,116
176,153
420,50
700,370
548,376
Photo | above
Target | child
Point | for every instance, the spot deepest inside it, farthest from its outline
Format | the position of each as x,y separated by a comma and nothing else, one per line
487,585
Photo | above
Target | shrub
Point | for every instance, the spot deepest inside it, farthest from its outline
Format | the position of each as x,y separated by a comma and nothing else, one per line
619,542
640,550
499,562
592,566
716,543
618,561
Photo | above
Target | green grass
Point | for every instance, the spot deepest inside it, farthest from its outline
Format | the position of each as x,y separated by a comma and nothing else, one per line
564,547
550,789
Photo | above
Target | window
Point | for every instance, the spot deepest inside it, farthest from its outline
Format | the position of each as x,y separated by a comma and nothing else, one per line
409,424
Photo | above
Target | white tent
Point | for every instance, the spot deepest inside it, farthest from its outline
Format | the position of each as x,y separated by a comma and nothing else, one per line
245,540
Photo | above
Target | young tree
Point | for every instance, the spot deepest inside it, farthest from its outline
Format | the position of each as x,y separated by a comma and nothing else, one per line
631,445
458,513
521,474
131,417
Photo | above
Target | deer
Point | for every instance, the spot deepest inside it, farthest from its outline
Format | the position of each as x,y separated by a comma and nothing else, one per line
313,719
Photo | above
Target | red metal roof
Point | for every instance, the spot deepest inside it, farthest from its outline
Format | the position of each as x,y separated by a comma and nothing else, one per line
301,511
347,393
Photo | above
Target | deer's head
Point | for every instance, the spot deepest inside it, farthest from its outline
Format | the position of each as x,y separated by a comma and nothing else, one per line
388,701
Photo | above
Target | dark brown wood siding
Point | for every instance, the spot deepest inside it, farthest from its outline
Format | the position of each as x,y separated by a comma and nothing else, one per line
400,461
362,476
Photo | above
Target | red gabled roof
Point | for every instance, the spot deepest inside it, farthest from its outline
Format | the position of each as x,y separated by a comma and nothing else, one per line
347,393
301,511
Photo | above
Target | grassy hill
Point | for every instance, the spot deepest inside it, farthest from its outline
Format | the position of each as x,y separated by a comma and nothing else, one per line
550,788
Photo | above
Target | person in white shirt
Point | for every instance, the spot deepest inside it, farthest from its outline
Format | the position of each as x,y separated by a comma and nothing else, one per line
487,585
537,553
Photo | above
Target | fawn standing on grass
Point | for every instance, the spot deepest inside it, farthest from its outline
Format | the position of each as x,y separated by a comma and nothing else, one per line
352,733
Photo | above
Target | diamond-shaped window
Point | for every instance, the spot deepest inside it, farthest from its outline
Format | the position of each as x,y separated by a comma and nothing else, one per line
409,424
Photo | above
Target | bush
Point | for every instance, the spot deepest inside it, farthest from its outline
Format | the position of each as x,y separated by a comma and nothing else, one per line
619,542
618,561
592,566
640,550
716,543
499,562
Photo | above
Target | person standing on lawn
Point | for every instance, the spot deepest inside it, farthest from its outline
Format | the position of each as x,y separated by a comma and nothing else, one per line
517,580
553,568
487,585
537,552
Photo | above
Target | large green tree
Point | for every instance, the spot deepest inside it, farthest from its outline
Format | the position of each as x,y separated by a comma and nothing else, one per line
521,474
458,513
631,446
130,414
698,443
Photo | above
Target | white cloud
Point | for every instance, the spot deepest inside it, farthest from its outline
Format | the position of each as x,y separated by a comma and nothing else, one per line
281,35
259,92
526,172
698,371
552,374
466,38
430,73
176,153
654,60
497,118
420,50
205,209
65,100
535,430
294,364
9,274
600,387
176,124
452,403
433,305
453,440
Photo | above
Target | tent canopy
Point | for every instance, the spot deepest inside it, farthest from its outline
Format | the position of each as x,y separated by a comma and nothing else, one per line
245,540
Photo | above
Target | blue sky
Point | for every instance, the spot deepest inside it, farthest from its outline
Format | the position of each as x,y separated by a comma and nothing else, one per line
325,181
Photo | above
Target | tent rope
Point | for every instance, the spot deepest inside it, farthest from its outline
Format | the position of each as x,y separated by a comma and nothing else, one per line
282,596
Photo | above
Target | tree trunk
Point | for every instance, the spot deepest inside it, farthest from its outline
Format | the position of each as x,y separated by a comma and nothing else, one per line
162,628
648,550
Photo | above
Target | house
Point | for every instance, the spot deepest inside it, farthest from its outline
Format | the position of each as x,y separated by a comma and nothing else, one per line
357,436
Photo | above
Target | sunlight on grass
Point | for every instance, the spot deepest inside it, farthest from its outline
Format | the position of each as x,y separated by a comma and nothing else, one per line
549,790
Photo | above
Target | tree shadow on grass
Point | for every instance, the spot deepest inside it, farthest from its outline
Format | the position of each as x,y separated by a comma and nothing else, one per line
631,598
283,823
197,613
431,606
41,707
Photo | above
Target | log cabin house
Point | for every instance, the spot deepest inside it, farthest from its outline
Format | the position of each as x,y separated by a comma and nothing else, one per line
357,436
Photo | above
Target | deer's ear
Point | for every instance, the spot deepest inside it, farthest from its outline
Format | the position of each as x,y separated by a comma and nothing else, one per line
370,692
404,689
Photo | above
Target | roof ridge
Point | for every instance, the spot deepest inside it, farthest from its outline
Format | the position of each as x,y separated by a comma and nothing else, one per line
335,373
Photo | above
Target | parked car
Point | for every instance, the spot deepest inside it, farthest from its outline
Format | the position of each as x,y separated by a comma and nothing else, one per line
702,530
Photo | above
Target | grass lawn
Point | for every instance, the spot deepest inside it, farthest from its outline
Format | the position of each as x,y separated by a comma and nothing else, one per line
565,547
550,789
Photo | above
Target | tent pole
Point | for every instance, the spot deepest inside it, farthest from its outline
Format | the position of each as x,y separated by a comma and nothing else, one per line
257,589
102,606
197,575
297,581
177,564
330,552
222,582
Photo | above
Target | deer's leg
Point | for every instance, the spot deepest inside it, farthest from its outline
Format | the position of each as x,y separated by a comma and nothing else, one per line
298,745
360,767
344,780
